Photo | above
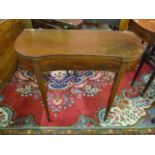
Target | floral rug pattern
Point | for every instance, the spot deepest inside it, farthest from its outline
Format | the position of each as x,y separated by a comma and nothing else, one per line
63,87
128,109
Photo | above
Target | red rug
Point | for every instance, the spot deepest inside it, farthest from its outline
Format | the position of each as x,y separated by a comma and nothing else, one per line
69,97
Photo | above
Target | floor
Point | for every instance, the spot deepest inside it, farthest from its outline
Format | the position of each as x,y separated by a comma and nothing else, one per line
77,103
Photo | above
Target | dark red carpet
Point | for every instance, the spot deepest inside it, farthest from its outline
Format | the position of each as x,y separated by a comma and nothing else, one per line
67,98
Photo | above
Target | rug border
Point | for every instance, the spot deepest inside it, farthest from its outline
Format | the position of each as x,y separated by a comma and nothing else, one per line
77,131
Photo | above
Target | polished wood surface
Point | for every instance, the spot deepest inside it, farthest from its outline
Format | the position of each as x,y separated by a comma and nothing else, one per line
144,28
148,24
47,50
9,30
37,43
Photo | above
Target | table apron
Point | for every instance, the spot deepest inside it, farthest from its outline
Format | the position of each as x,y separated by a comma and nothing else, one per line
76,63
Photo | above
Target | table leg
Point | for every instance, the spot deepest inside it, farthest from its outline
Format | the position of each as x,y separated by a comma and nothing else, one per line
67,71
115,86
42,88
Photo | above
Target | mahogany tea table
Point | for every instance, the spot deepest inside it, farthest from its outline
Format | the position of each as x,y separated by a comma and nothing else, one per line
43,50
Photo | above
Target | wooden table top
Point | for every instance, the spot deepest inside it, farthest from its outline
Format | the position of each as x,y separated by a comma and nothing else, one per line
148,24
36,43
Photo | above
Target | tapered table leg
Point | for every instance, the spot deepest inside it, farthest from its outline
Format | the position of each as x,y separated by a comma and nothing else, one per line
115,86
42,88
67,71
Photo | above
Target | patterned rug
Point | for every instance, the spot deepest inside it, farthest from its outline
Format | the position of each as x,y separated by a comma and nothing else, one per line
77,104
